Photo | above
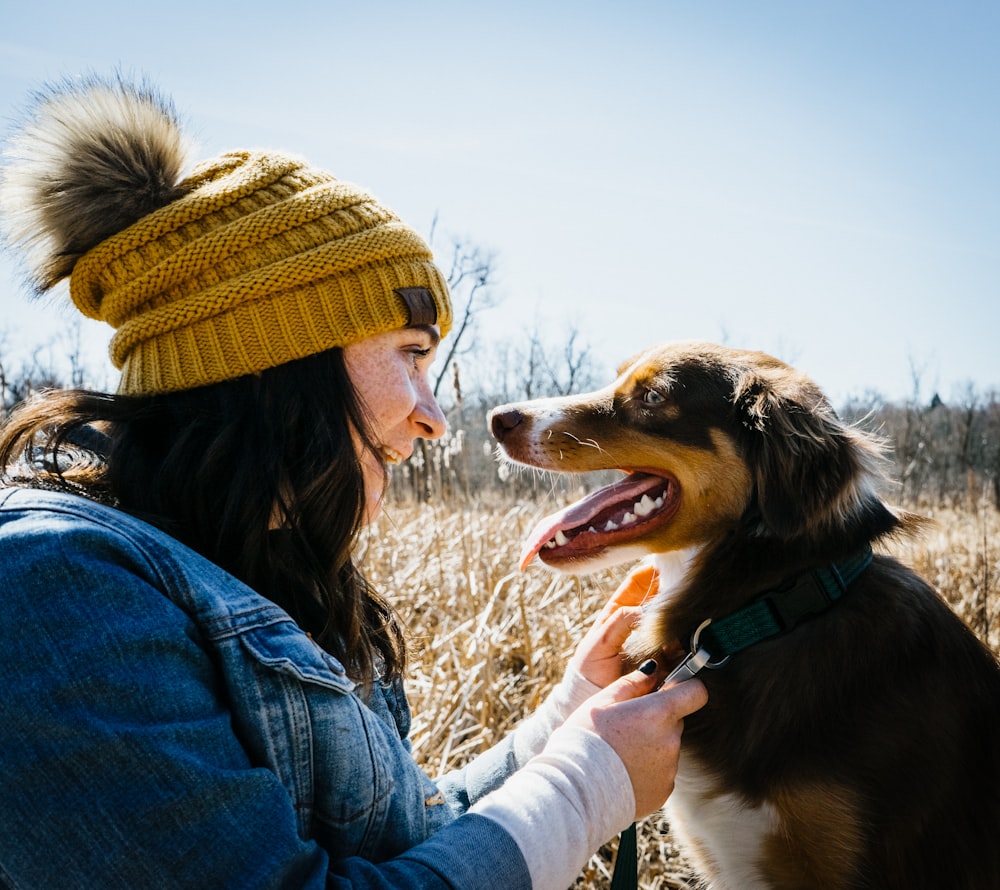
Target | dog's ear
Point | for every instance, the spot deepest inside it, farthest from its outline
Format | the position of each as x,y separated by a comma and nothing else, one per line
811,470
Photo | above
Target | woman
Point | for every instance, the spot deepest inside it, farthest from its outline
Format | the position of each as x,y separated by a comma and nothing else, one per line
200,688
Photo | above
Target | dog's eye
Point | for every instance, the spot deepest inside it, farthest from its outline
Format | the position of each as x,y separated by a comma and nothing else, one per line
652,397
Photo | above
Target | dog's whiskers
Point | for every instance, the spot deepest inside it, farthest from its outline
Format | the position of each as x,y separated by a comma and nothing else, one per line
590,443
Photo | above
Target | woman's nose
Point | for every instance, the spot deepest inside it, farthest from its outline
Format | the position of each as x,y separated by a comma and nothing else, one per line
427,414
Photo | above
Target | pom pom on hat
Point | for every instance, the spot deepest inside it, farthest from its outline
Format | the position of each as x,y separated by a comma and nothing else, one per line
95,157
253,260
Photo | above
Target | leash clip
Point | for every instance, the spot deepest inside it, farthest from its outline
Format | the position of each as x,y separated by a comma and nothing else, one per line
697,659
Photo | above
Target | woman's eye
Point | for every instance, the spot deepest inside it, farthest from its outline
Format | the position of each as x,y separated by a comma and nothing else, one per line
652,397
417,354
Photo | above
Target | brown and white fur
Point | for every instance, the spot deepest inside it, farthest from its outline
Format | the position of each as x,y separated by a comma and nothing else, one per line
860,750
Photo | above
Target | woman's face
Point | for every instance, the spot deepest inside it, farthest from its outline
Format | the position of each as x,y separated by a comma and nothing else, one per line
389,372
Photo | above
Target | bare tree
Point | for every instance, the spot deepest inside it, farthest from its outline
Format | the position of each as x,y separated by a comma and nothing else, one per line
439,467
556,368
471,277
991,443
574,371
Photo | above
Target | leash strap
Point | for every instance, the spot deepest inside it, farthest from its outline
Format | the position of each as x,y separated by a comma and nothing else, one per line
780,610
626,873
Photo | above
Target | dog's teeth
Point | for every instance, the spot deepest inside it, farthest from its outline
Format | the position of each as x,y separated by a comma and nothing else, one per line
628,519
550,545
611,527
560,538
645,506
592,530
658,502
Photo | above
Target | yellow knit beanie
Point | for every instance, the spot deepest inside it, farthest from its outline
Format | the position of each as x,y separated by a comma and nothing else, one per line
253,260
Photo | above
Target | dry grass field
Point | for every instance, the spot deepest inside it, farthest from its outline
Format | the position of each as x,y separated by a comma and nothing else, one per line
488,642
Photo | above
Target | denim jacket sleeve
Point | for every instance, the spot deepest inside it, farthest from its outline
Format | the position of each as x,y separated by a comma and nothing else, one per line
163,725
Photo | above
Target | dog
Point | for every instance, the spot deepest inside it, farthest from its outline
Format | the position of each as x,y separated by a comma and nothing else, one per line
852,735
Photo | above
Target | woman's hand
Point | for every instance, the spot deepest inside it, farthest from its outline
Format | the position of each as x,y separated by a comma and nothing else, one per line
598,656
644,727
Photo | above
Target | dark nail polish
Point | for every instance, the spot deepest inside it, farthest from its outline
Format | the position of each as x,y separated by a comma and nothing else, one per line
648,667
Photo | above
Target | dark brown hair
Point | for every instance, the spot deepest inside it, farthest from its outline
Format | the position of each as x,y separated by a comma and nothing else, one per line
258,474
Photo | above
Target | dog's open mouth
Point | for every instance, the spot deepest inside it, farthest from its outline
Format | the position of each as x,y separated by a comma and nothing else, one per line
611,515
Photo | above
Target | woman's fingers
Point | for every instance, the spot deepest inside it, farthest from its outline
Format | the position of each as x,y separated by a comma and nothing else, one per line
644,727
612,633
598,656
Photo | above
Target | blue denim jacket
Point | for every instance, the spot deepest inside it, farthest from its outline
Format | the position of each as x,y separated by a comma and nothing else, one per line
163,725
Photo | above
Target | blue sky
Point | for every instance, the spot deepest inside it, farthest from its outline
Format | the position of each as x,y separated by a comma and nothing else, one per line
815,179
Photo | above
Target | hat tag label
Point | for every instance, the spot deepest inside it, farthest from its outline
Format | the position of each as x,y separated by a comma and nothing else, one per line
420,302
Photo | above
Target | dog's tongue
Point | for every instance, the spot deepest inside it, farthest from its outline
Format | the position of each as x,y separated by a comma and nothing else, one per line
632,487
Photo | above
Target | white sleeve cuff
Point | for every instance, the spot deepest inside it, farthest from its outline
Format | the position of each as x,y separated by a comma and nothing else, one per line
563,805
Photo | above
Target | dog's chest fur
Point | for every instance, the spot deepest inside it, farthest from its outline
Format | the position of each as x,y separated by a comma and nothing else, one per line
722,834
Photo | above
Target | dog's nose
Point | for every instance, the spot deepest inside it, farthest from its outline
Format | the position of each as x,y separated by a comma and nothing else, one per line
503,420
